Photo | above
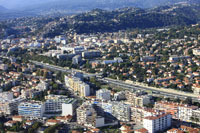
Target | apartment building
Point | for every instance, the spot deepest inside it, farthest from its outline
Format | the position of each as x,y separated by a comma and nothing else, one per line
138,114
196,115
121,111
42,86
103,94
185,112
196,51
6,95
93,115
137,100
79,87
168,107
196,89
3,67
119,96
118,110
8,107
157,123
175,58
91,54
31,109
76,59
88,116
148,58
60,104
55,97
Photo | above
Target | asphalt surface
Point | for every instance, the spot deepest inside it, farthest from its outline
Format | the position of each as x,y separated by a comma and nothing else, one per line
157,91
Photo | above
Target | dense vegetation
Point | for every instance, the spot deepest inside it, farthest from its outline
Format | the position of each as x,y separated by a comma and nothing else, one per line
129,18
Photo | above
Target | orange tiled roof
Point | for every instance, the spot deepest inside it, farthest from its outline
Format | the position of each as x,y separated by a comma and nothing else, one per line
175,130
156,117
142,130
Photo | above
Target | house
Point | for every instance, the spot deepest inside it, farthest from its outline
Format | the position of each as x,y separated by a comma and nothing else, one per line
142,130
64,119
18,118
126,129
189,129
52,122
10,123
29,122
196,89
95,130
175,130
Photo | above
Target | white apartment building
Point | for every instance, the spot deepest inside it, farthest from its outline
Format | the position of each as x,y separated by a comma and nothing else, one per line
157,123
196,51
3,67
138,114
137,100
185,112
63,106
103,94
55,97
42,86
31,109
84,89
79,87
60,104
121,111
91,115
87,116
119,96
7,107
6,95
196,115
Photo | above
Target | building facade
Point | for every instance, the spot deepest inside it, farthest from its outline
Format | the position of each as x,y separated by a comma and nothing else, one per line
31,109
79,87
103,94
137,100
8,107
157,123
185,112
60,104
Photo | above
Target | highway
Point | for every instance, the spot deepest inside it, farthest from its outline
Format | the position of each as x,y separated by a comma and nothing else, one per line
157,91
62,69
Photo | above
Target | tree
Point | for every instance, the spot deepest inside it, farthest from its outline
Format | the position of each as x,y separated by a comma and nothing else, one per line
31,130
51,129
41,73
192,118
131,58
188,101
18,69
177,100
2,127
55,86
45,74
38,72
87,65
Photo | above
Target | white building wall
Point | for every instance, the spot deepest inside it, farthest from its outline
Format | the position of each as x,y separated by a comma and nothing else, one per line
100,122
85,90
67,109
103,94
148,124
159,124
